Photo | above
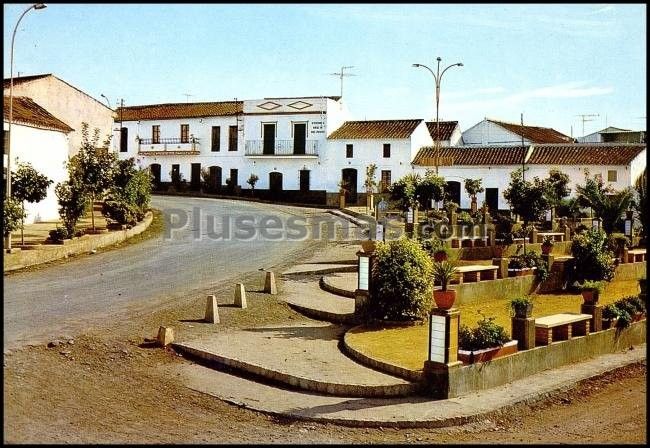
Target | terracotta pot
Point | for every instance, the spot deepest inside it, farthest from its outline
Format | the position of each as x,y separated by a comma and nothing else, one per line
590,295
444,299
440,256
524,310
498,251
469,357
546,249
369,246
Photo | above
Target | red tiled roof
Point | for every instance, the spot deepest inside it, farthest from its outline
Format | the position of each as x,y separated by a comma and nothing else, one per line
535,134
446,129
375,129
586,154
6,83
26,111
179,110
548,154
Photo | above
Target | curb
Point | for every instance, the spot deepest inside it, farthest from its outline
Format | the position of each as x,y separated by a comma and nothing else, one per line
350,268
325,286
347,216
323,315
301,383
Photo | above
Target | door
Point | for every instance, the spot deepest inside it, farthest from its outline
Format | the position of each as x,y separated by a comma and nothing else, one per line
275,183
299,138
269,138
234,177
215,178
453,191
492,199
304,180
349,178
195,180
124,139
155,172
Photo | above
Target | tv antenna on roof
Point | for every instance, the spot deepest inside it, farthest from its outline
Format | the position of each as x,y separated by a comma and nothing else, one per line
585,117
342,74
187,97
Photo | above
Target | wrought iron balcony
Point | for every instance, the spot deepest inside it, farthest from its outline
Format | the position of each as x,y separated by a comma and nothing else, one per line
281,148
173,145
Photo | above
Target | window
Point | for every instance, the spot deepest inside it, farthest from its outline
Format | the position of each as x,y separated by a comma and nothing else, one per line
612,175
385,181
232,138
349,151
155,133
216,138
124,139
386,150
185,133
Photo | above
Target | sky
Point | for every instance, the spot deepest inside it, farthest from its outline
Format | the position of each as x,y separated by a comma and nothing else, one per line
550,62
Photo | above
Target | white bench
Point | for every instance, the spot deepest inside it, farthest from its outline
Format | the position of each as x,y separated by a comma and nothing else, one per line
561,326
476,273
635,255
557,236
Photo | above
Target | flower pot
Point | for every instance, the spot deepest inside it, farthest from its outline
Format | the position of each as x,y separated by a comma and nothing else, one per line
498,251
368,246
440,256
444,299
609,323
546,249
487,354
523,311
590,295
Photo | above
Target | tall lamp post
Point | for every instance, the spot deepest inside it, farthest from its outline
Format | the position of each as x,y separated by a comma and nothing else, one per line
437,77
11,109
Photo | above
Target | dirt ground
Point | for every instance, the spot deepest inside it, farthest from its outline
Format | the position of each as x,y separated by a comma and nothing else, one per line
104,386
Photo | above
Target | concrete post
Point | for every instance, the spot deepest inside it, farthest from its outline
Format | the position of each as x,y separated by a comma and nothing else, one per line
360,300
502,263
443,352
625,255
211,310
567,233
269,284
491,237
240,295
596,311
523,330
533,235
165,336
453,219
553,223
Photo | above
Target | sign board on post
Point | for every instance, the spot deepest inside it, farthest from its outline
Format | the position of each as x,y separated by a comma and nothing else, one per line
409,216
628,227
548,215
379,234
437,347
364,273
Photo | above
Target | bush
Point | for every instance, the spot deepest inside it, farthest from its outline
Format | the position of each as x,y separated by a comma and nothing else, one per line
464,218
59,234
12,216
120,211
72,203
592,259
401,281
486,334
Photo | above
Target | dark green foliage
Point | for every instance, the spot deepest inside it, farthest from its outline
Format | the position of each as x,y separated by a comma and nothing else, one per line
527,199
592,259
464,218
129,196
401,281
624,309
404,190
557,187
59,234
607,203
72,202
641,201
569,208
12,216
429,187
486,334
29,185
473,187
119,211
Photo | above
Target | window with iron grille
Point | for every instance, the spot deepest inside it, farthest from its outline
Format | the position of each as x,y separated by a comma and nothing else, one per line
155,133
216,138
232,138
349,151
185,133
612,175
386,150
385,180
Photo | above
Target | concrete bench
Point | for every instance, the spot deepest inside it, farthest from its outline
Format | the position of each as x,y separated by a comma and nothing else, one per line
561,326
476,273
635,255
557,236
469,241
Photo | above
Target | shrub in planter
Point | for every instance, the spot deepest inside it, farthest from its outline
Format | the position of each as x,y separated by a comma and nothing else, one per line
464,218
591,290
436,248
486,335
617,243
401,281
592,259
547,245
120,211
521,307
59,234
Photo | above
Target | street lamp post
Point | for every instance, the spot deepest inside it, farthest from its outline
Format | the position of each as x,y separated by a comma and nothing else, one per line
437,77
11,109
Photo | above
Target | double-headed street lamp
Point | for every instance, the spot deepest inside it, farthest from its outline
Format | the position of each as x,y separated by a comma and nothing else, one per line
437,77
11,109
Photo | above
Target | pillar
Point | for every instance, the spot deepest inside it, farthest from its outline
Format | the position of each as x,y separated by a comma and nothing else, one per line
269,284
211,310
502,263
443,352
533,235
240,295
523,330
596,311
165,336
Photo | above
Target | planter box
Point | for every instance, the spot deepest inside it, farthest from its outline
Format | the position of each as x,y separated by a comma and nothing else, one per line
470,357
520,272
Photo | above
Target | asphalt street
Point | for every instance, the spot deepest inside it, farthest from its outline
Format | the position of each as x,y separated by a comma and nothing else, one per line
72,296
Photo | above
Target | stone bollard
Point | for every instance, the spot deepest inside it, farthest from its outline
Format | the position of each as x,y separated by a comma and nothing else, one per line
502,263
523,330
491,237
533,235
240,295
269,284
165,336
211,310
596,311
567,233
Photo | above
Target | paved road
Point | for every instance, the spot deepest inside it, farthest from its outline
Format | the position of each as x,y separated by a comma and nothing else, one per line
71,296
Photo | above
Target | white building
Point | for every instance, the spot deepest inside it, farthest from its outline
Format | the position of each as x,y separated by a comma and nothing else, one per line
619,165
614,135
66,102
491,132
39,138
450,134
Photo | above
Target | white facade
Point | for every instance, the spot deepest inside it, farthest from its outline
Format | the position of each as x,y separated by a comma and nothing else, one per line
486,133
47,151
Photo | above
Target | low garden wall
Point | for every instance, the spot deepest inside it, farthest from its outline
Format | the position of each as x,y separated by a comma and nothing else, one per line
503,288
470,378
631,271
83,244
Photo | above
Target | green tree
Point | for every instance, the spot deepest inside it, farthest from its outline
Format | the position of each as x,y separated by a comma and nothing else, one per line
29,185
129,196
641,201
404,190
13,215
474,187
92,167
252,181
430,187
527,199
72,201
607,203
592,258
557,187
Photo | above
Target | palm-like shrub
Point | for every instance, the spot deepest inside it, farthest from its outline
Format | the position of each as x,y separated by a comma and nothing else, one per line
607,203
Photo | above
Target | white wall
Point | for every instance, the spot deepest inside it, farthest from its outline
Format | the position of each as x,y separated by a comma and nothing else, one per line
47,151
489,133
637,167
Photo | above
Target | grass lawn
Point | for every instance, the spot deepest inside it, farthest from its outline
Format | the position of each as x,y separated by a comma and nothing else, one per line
407,347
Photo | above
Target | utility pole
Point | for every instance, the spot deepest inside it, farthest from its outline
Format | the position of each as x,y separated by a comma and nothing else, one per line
342,74
586,117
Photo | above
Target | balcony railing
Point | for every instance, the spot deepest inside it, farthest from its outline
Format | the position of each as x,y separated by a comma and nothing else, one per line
281,148
168,145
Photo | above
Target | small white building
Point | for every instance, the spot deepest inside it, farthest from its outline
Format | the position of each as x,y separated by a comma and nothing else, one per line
389,144
619,165
614,135
66,102
490,132
39,138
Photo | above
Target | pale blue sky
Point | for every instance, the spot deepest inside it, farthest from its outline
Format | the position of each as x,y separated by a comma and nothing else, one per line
551,62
